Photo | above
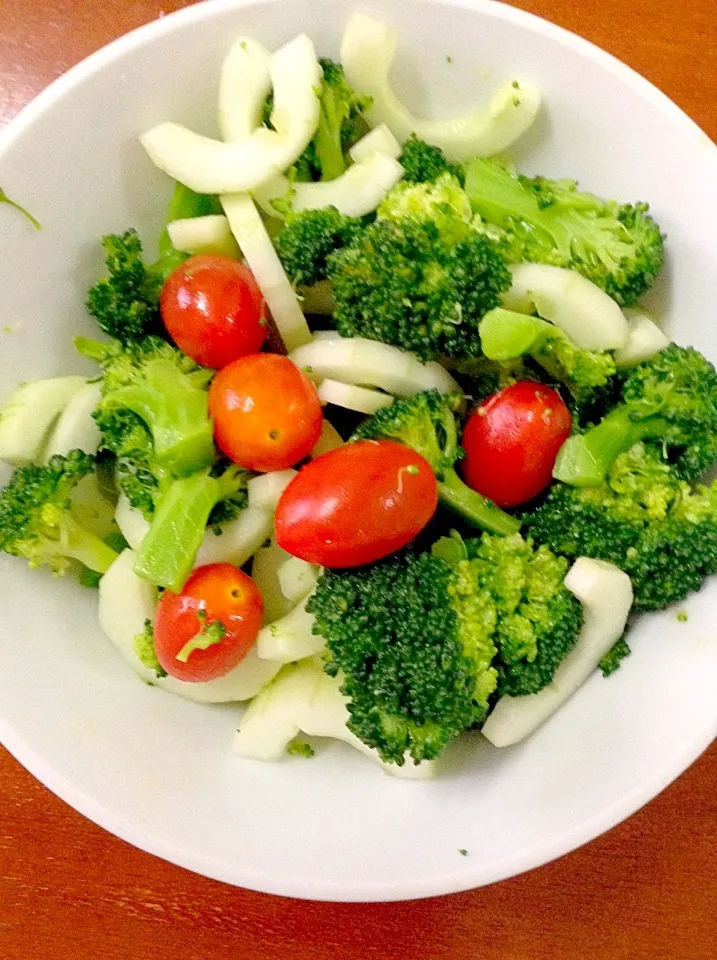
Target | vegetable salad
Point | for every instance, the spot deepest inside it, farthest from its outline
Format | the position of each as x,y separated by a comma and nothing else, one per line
382,442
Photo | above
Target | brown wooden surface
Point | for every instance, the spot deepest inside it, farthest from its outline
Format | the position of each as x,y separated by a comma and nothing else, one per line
645,891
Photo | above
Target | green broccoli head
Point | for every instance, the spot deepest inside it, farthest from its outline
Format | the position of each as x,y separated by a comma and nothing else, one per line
126,302
150,385
671,399
308,237
426,422
37,520
418,284
619,247
423,163
417,639
341,123
442,201
643,518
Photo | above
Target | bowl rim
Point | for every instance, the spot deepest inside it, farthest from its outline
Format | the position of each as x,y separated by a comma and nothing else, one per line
546,850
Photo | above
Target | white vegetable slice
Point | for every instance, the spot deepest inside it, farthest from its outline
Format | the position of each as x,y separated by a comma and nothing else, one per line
368,49
378,140
591,318
606,595
75,429
239,539
247,226
290,638
212,166
28,414
329,440
126,602
303,699
265,566
131,521
371,363
353,398
297,578
209,234
244,84
357,191
644,339
265,490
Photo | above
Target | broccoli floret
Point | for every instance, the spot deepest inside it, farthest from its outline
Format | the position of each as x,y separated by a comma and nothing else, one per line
125,303
421,283
423,163
619,247
644,519
426,422
308,237
670,399
442,201
154,405
37,520
183,510
614,657
143,645
341,124
507,336
418,639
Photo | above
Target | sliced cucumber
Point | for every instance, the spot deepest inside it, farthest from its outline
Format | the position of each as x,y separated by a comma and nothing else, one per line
370,363
244,84
644,340
28,414
606,595
289,639
266,563
357,192
591,318
248,228
131,522
351,397
297,578
265,491
302,698
368,49
209,234
126,602
212,166
75,429
239,539
378,140
329,440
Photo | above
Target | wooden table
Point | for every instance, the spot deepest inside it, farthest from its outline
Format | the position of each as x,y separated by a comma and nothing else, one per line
645,891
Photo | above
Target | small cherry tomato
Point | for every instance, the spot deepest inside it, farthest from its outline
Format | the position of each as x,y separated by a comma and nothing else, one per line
512,440
356,504
207,629
266,413
213,310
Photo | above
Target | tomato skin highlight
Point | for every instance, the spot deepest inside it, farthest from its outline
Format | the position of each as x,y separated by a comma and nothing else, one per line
215,592
212,308
356,504
266,412
511,442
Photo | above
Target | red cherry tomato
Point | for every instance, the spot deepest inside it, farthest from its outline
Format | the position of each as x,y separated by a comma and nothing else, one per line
356,504
266,413
213,310
512,440
219,609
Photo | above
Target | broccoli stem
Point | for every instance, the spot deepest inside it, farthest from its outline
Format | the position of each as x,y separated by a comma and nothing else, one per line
66,537
585,459
497,195
473,507
168,551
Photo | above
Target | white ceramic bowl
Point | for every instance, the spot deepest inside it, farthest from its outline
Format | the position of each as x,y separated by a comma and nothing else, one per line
157,770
